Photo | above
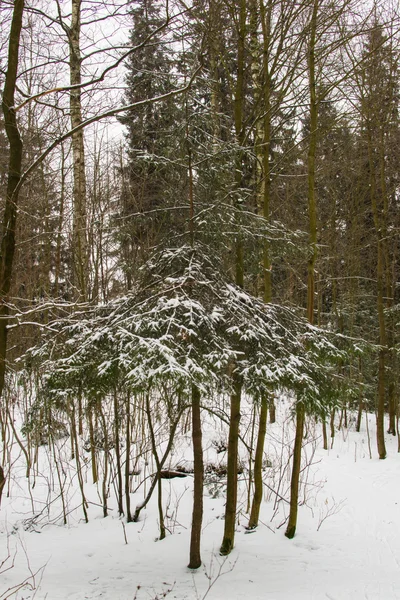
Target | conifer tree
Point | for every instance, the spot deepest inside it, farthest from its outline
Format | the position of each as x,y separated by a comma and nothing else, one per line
378,100
150,179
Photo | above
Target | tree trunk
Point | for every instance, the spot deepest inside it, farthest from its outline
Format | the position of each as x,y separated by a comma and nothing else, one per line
127,460
14,174
2,482
231,485
332,425
171,439
312,210
79,250
258,462
197,516
272,411
324,435
234,419
294,485
78,461
159,467
104,485
118,454
380,415
92,441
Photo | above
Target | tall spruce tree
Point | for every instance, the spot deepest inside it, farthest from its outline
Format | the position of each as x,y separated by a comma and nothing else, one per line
150,180
379,133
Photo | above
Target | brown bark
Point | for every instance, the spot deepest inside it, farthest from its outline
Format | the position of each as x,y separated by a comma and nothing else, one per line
263,158
74,442
79,241
104,485
92,445
380,415
2,482
159,467
324,435
234,418
312,202
127,459
118,454
312,210
7,248
231,485
197,516
258,462
294,485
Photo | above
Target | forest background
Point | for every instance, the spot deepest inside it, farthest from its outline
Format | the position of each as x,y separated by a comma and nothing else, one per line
240,239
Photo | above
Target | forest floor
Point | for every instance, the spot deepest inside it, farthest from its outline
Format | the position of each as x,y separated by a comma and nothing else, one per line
347,544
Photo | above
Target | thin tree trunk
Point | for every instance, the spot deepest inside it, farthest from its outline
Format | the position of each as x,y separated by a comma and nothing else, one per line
231,485
254,413
78,462
294,485
7,248
234,419
263,157
118,454
392,408
332,425
127,460
197,516
104,485
80,250
258,462
159,467
171,438
325,435
2,482
57,266
380,415
95,475
272,411
80,413
312,210
378,217
360,401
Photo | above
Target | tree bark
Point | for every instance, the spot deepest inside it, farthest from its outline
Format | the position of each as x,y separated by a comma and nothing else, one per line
2,482
127,459
231,485
79,240
258,462
118,454
234,418
7,248
197,516
294,485
312,210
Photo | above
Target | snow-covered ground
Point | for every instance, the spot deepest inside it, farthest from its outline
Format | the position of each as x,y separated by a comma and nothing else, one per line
347,544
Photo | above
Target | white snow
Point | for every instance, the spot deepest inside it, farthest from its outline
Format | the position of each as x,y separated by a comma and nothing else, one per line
347,544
